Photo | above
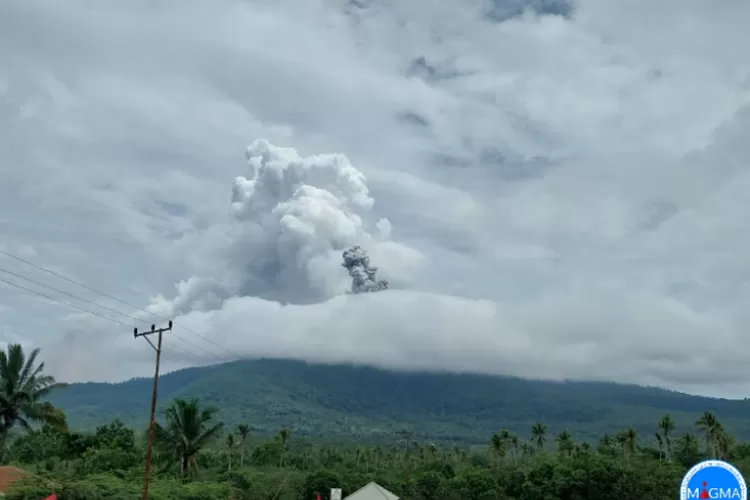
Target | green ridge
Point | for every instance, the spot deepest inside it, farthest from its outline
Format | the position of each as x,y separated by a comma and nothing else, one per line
370,404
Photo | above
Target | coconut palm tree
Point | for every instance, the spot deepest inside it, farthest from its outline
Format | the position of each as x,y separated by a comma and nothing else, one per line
687,449
565,443
527,450
660,445
230,451
724,443
628,441
539,434
244,431
22,388
497,448
189,428
666,425
514,445
712,430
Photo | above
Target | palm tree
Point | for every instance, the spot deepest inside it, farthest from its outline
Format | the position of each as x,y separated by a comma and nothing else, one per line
565,443
660,445
628,440
230,449
513,440
497,448
539,434
244,431
724,443
284,435
711,429
527,450
189,428
22,386
687,449
666,425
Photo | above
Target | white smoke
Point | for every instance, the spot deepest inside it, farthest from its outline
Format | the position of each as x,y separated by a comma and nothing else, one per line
279,292
292,217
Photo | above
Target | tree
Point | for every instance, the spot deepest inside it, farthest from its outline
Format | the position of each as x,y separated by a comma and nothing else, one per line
565,443
666,426
724,443
244,431
319,483
189,428
230,450
606,445
628,441
527,450
687,451
115,435
539,435
22,387
497,448
284,436
104,464
513,440
712,430
660,445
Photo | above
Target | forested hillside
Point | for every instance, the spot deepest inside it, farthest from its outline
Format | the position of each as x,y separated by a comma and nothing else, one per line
199,452
341,401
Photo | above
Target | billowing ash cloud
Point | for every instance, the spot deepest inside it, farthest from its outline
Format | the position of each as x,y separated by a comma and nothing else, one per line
357,262
292,217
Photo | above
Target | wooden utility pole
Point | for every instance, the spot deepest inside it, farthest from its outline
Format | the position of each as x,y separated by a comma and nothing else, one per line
150,441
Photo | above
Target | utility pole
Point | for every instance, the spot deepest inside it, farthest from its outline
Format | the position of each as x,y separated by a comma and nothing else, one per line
150,441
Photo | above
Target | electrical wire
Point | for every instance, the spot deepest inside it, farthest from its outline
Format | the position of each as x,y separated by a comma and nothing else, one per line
86,311
62,302
116,299
86,301
25,278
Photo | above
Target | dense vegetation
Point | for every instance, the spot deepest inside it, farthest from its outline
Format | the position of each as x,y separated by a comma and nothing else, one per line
368,404
197,456
195,460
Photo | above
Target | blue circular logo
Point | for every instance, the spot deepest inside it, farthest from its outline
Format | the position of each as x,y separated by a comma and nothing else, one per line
713,479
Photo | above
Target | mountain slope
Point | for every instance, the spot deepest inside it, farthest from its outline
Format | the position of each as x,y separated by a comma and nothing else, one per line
339,401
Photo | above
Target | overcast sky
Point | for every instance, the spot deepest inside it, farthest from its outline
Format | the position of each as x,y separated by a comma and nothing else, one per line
556,193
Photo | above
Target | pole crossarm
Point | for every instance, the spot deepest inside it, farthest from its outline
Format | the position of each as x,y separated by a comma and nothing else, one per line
149,446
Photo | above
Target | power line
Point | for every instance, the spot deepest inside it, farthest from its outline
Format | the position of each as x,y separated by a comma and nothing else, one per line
25,278
112,297
78,283
93,313
186,351
35,292
30,280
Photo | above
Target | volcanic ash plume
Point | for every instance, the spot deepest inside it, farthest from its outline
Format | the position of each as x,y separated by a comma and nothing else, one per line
357,262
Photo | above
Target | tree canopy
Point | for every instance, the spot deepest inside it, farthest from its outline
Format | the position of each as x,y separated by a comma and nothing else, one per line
199,457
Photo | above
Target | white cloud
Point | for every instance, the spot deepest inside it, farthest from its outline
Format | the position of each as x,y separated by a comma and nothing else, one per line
565,197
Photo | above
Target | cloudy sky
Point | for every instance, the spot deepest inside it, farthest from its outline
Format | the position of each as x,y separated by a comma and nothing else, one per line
552,190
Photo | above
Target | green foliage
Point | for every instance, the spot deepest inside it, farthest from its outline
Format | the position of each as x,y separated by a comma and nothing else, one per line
97,487
108,463
23,387
335,402
528,459
188,430
320,483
